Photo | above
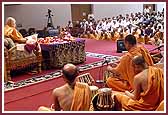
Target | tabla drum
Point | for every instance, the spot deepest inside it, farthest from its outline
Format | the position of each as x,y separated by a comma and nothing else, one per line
103,100
86,78
94,90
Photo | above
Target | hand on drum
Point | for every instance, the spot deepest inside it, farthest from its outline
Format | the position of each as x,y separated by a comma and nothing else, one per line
109,68
113,65
113,71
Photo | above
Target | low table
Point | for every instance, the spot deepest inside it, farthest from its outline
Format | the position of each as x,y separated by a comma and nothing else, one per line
58,54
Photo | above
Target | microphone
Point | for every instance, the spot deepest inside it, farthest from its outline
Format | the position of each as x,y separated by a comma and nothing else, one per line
159,47
100,80
105,61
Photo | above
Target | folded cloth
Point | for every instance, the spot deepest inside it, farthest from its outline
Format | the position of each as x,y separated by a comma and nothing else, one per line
31,44
30,47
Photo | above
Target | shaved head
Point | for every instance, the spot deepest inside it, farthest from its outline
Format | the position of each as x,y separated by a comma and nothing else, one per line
130,39
138,60
139,63
70,72
10,21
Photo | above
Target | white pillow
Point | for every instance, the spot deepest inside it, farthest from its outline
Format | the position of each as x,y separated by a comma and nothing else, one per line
34,36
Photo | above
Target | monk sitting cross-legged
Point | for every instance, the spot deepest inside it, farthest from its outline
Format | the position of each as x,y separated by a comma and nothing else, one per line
73,96
123,76
148,88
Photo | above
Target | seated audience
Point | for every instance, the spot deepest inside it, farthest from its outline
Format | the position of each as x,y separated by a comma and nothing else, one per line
156,40
116,35
148,88
124,72
138,23
72,96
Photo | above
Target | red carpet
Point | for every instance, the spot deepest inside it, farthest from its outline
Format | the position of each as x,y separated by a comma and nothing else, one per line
105,47
26,75
31,97
102,46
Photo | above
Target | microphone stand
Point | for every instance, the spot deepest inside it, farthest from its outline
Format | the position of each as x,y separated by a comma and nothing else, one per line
101,81
158,48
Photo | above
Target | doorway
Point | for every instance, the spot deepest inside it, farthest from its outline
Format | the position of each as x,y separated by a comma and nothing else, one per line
80,11
152,7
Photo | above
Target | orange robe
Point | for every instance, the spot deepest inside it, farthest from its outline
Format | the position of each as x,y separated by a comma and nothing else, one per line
85,36
151,98
12,33
116,36
81,98
161,106
102,37
147,40
126,69
108,36
91,36
96,36
125,34
140,40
